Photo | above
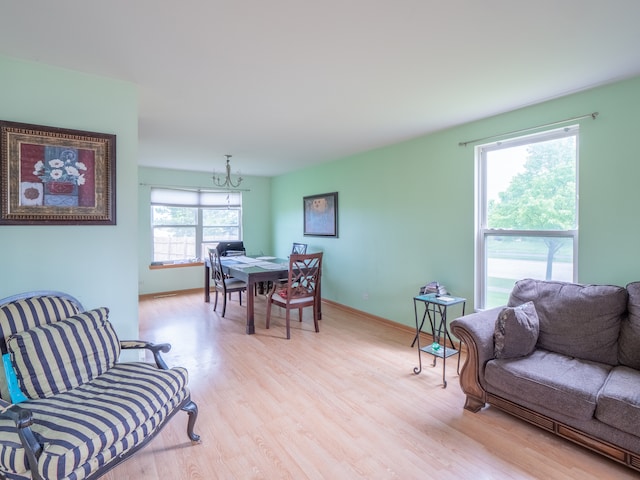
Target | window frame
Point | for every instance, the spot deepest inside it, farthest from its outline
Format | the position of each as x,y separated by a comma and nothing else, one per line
483,232
200,200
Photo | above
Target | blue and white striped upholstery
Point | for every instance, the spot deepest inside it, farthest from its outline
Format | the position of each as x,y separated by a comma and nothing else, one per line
27,313
59,356
84,428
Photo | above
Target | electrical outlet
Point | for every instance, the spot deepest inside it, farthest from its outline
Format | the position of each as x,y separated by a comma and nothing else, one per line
365,296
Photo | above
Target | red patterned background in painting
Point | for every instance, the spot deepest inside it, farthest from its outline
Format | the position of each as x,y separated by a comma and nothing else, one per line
30,154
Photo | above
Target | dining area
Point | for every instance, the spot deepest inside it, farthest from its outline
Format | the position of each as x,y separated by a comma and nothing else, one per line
291,283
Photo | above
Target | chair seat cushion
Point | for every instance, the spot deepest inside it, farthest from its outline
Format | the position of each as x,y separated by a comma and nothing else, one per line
281,298
84,428
557,382
232,283
619,400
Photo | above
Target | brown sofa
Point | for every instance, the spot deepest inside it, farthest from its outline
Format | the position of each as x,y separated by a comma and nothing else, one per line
563,356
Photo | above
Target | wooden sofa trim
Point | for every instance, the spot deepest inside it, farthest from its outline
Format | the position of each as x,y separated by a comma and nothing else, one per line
606,449
469,380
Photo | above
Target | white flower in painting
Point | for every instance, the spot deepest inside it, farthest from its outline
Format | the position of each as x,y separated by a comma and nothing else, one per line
71,170
38,167
64,168
56,163
81,179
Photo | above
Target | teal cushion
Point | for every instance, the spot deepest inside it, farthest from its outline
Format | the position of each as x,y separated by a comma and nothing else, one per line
12,380
60,356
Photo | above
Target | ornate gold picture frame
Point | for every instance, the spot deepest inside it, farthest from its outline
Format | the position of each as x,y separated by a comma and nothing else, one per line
56,176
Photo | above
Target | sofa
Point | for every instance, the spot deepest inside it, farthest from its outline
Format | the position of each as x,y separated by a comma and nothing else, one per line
69,408
564,357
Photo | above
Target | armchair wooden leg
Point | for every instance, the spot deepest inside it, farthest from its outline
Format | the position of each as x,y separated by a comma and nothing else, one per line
192,410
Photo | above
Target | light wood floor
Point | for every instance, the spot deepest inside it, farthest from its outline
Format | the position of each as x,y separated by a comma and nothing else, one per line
340,404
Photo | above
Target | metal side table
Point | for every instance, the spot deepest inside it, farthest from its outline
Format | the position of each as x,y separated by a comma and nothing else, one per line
435,307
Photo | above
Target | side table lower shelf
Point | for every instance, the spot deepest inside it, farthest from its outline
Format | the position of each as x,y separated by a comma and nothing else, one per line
440,352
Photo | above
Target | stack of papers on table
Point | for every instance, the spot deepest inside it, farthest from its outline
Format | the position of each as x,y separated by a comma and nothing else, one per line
245,259
272,266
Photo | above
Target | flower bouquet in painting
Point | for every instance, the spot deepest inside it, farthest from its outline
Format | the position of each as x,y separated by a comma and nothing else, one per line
61,171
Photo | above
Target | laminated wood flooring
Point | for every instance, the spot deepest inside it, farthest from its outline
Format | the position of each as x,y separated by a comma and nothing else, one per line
340,404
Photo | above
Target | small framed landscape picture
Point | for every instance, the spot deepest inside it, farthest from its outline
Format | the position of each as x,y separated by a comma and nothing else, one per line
321,215
55,176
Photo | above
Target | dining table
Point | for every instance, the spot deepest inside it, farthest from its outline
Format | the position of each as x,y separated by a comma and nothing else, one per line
252,270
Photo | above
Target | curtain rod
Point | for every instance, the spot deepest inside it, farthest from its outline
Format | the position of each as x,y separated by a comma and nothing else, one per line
194,189
589,115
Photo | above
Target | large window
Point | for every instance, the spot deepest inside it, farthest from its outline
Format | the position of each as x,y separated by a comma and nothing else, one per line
186,223
527,212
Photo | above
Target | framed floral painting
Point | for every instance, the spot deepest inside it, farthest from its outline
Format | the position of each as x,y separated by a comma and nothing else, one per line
56,176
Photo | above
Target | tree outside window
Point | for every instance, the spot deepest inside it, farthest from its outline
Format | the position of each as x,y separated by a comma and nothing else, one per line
528,220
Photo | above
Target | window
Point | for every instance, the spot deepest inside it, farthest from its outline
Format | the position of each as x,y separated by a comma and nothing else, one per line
526,211
186,223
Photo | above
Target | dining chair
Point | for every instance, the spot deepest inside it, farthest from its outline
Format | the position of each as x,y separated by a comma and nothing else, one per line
300,248
223,284
301,290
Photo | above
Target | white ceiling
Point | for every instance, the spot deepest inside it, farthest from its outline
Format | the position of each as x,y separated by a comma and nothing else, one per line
281,84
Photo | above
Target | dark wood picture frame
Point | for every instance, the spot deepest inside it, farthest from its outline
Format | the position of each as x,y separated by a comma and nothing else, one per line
56,176
321,215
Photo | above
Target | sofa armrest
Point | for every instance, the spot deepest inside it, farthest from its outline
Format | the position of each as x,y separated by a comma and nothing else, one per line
476,332
156,349
23,419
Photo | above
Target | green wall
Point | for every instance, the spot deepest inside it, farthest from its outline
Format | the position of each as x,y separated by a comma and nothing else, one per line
96,264
406,211
256,224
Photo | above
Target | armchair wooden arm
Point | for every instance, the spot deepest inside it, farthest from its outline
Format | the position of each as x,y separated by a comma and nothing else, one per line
23,419
155,348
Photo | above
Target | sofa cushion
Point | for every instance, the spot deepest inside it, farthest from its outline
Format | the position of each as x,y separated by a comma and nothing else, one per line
28,313
59,356
619,400
629,341
84,428
581,321
557,382
516,331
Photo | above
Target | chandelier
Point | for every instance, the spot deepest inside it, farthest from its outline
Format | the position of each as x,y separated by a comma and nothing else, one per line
226,182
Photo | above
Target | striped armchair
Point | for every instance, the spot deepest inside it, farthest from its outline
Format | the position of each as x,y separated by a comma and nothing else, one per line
68,409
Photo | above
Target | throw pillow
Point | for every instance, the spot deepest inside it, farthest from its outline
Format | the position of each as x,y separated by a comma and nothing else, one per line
516,331
59,356
27,313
